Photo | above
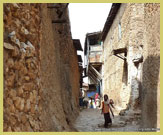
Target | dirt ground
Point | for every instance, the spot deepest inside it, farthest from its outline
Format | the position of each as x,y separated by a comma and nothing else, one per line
91,120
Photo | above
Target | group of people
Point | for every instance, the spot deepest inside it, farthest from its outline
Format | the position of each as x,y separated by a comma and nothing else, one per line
96,102
105,106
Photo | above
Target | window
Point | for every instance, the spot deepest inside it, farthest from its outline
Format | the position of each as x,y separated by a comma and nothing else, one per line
119,30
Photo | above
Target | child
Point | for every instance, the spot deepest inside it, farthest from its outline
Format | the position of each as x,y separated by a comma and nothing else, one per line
106,110
91,103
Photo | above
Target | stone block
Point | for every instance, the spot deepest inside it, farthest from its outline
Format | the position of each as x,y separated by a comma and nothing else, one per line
28,86
20,91
10,63
19,103
8,46
27,105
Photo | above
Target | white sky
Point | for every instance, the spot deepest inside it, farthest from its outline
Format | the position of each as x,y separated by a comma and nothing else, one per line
86,18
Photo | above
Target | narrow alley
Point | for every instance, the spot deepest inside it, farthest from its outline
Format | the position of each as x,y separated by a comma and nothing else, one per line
91,120
57,82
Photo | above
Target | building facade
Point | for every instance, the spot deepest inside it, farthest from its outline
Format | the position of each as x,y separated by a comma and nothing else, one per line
131,57
41,68
93,61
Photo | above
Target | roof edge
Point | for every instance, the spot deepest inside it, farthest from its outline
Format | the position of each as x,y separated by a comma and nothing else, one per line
109,21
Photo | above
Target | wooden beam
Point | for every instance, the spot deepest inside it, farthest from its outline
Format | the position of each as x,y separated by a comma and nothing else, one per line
94,75
58,6
53,7
117,53
96,71
120,50
96,63
92,79
121,57
59,21
60,15
66,5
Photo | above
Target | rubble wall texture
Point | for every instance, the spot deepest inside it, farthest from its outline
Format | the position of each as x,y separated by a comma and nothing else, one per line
115,69
122,77
59,72
136,82
21,67
151,67
40,67
135,49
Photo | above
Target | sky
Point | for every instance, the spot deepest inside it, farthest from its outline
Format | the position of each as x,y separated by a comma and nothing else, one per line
86,18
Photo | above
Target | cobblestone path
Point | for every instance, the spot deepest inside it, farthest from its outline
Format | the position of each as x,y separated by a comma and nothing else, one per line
91,120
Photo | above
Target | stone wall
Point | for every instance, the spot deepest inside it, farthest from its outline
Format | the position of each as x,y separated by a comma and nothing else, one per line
151,67
115,78
22,67
124,76
41,74
59,72
134,82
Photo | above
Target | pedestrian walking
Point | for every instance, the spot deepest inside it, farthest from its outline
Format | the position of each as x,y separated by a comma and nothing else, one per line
106,109
91,103
85,102
98,102
96,97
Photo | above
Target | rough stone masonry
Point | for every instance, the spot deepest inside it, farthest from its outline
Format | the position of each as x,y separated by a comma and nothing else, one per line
134,82
41,74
